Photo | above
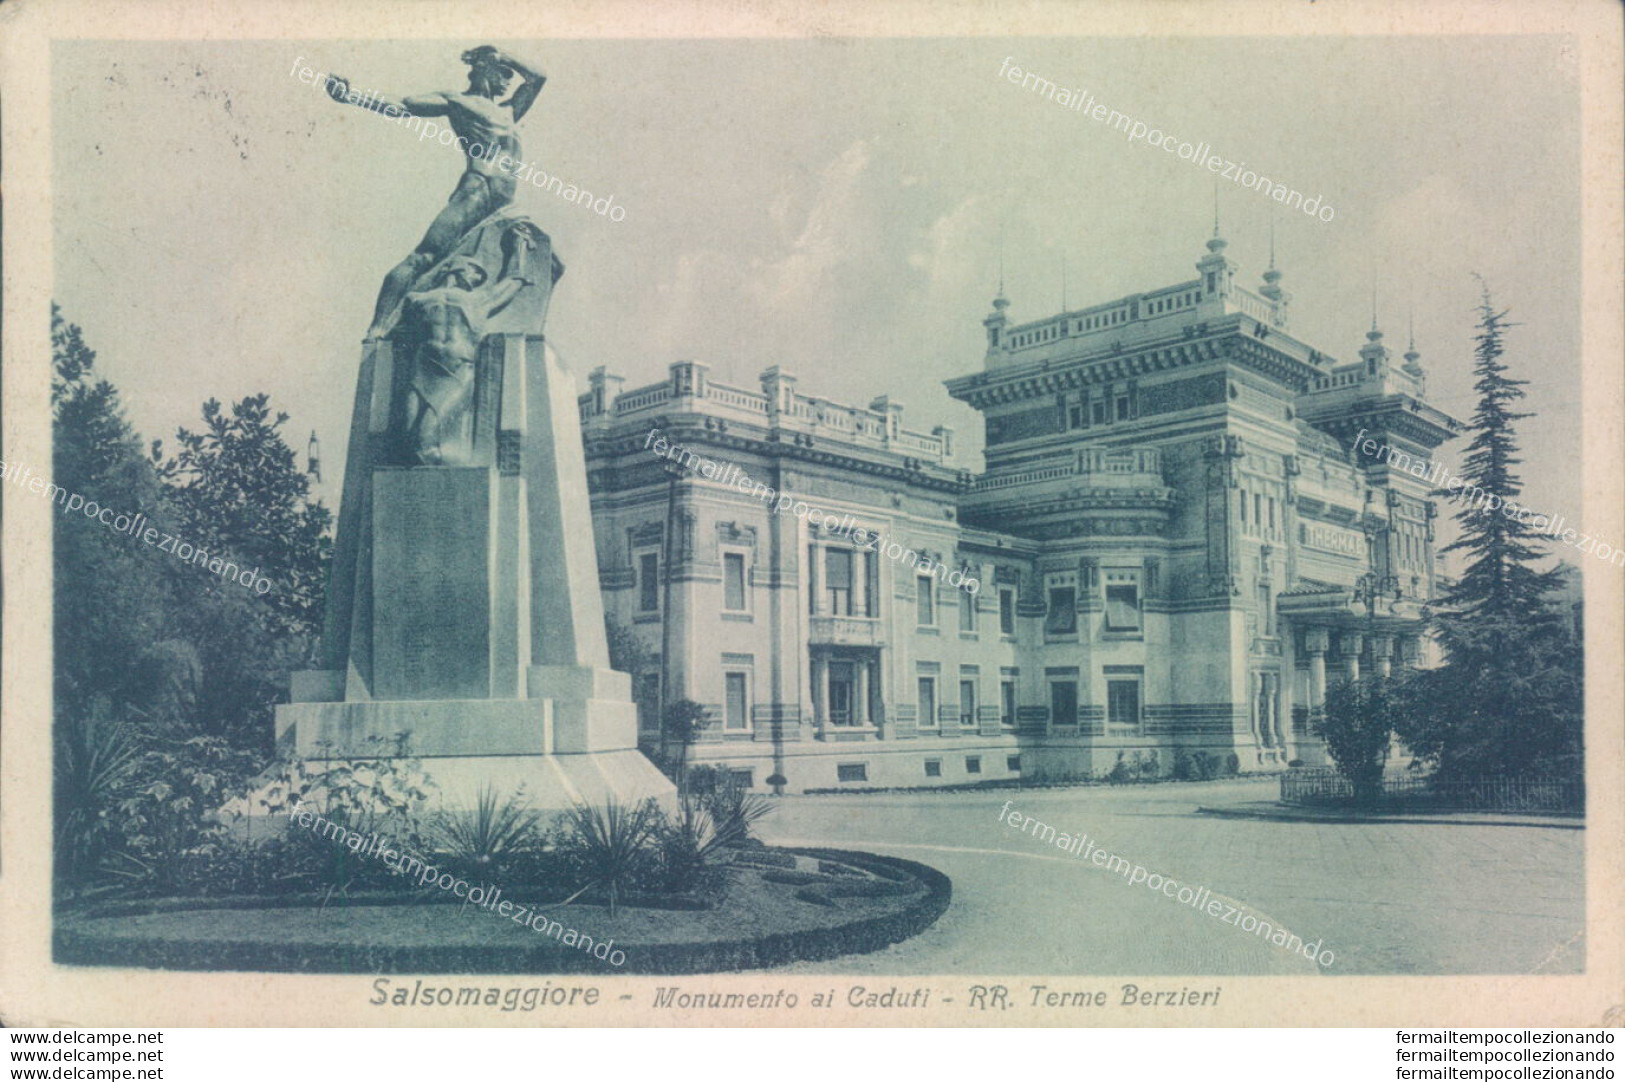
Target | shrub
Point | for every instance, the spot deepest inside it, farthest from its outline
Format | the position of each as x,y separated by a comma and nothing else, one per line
687,851
383,791
764,859
130,803
827,893
791,877
1194,766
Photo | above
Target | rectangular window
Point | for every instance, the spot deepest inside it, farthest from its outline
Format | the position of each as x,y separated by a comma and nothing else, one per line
1007,611
933,768
851,771
967,611
1013,764
1063,702
1074,416
973,764
1007,703
925,599
1258,510
1122,407
736,710
1122,604
1271,507
1266,610
967,703
1097,411
871,583
838,580
733,581
927,697
649,582
1123,705
1063,611
1244,508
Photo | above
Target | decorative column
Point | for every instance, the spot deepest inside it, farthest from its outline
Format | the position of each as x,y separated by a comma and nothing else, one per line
1351,642
1382,652
1261,709
860,693
820,693
877,698
1316,641
860,584
1223,559
1275,711
815,560
1289,678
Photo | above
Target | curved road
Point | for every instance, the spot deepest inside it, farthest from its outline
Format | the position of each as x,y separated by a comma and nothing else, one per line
1385,898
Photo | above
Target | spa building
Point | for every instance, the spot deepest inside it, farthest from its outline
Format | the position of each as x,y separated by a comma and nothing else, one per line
1174,547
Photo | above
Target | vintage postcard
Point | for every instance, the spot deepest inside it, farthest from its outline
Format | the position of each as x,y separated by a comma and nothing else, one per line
1075,515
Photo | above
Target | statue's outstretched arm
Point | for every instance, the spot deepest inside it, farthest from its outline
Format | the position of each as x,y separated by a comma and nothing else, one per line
338,88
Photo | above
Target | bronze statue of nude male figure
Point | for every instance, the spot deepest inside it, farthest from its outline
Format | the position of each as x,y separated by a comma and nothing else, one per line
479,120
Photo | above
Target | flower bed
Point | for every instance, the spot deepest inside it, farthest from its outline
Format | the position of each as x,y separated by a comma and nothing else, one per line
761,923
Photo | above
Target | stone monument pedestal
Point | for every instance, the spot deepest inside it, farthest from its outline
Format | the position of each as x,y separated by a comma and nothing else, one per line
464,616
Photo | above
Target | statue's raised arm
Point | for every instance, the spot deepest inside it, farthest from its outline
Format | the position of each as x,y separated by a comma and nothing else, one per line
531,78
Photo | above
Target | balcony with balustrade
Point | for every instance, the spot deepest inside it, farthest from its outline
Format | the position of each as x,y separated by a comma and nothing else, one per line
778,407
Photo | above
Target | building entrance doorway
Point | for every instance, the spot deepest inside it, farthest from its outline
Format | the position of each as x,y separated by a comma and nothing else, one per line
841,681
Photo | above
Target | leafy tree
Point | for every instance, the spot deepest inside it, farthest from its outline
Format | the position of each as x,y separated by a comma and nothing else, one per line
237,493
237,488
112,595
166,673
680,724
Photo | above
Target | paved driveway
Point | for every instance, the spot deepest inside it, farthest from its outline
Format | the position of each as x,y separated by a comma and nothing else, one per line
1385,898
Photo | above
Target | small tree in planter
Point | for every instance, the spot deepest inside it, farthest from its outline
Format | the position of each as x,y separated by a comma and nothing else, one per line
681,723
1355,724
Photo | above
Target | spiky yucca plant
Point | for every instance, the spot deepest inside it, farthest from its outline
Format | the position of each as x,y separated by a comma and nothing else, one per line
733,812
98,762
612,845
489,837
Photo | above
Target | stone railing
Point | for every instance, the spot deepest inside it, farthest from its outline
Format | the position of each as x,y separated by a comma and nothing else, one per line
1144,464
815,416
642,399
1252,305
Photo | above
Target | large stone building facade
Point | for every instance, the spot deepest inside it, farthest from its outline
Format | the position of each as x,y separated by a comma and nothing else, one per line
1174,549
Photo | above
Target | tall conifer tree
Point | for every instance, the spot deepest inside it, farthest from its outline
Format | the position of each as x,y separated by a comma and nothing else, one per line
1509,698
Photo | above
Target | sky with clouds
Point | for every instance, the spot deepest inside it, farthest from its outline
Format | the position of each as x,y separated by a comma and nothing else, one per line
835,207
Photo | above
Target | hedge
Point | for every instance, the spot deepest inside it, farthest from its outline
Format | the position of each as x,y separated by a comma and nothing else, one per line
862,936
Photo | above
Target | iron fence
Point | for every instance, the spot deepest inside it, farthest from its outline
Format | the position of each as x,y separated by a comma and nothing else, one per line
1325,786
